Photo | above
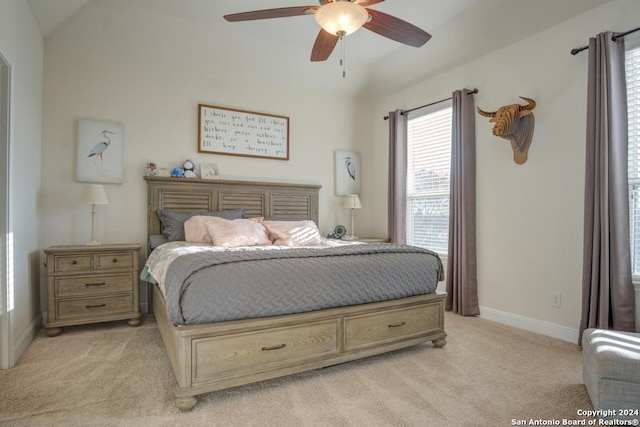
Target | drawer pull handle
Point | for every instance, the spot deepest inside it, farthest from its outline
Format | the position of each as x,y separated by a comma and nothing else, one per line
88,285
114,260
95,306
74,262
397,325
274,347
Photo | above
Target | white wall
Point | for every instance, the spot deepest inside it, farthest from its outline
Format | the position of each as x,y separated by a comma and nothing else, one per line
21,45
529,217
149,70
117,62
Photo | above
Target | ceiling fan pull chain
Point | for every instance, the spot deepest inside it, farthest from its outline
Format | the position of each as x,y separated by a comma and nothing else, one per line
341,34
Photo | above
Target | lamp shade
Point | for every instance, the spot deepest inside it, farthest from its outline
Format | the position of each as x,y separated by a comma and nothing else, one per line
351,201
94,194
341,16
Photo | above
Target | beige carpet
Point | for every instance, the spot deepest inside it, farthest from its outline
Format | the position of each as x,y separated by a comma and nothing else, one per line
114,375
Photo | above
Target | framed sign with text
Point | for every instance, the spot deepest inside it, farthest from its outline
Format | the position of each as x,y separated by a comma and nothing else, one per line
242,133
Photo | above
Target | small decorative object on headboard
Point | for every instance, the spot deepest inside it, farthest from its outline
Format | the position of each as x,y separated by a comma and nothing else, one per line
189,169
514,122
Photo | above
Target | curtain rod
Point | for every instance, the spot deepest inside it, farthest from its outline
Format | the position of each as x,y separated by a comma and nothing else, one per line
577,50
429,105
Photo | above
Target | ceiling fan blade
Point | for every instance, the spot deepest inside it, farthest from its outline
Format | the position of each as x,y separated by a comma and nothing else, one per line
322,48
368,2
396,29
282,12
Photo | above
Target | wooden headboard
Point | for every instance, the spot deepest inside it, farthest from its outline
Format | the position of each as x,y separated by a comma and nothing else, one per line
279,201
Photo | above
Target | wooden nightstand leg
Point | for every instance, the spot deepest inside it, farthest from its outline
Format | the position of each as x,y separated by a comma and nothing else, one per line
134,322
439,343
185,403
52,332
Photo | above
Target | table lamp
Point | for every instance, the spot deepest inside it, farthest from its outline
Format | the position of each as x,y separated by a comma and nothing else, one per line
352,202
93,195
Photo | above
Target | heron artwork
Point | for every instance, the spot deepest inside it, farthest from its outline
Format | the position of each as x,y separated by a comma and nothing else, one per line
347,173
351,169
98,150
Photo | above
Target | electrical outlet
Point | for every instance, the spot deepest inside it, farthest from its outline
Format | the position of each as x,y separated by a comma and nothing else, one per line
555,299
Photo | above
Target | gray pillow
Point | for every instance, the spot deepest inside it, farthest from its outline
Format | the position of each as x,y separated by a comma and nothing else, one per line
173,222
156,240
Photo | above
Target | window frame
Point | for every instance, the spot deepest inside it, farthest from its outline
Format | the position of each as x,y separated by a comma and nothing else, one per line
410,197
633,43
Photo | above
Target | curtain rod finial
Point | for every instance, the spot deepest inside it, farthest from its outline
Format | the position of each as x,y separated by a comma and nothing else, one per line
577,50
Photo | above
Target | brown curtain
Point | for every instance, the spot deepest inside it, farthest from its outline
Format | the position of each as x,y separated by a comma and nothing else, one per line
607,289
461,277
397,215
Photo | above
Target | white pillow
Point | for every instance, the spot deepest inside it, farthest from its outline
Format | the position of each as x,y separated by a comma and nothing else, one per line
293,233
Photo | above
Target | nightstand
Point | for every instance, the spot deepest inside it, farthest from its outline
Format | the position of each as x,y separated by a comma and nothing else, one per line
91,284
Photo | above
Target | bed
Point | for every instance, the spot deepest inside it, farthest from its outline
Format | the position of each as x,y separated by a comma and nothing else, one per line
214,353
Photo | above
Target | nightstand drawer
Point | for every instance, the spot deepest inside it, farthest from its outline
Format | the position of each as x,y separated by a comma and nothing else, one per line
86,286
114,260
73,262
84,308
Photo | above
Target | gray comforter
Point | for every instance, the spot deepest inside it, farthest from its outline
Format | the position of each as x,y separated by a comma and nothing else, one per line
202,288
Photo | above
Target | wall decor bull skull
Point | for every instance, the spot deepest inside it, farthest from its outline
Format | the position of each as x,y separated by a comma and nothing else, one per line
514,122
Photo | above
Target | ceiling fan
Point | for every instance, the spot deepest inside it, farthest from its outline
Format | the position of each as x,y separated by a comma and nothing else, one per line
339,18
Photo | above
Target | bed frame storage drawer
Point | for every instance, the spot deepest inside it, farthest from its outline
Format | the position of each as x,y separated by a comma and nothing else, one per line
389,326
253,352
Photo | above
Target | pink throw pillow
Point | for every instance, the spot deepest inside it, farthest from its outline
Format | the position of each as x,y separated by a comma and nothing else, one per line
195,230
293,233
237,232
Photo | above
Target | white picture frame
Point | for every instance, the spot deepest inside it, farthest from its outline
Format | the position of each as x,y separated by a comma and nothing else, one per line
100,153
209,171
347,173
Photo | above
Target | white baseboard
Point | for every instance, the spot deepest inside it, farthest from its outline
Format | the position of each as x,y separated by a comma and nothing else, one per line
26,337
539,326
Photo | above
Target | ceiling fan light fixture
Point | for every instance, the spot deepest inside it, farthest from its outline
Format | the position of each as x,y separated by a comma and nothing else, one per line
341,17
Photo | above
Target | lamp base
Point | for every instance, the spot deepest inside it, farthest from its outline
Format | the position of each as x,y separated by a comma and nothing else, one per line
93,243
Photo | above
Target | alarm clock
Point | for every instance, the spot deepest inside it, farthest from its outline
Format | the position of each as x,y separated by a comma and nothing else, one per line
338,232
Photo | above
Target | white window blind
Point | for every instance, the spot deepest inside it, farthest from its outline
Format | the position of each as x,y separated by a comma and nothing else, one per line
633,99
428,171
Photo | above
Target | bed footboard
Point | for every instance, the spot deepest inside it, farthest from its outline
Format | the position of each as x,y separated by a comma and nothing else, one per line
216,356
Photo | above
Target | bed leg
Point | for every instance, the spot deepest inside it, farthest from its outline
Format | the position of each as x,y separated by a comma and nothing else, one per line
185,403
439,343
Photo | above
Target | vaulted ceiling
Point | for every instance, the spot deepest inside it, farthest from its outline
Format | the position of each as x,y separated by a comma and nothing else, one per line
461,29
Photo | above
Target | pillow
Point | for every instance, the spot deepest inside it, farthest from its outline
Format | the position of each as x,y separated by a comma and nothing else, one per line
195,230
237,232
156,240
293,233
173,222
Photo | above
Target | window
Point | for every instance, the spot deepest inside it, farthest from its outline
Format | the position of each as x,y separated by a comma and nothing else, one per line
633,100
428,171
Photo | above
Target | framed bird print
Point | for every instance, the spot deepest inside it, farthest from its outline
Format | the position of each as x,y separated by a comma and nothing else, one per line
347,168
100,156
